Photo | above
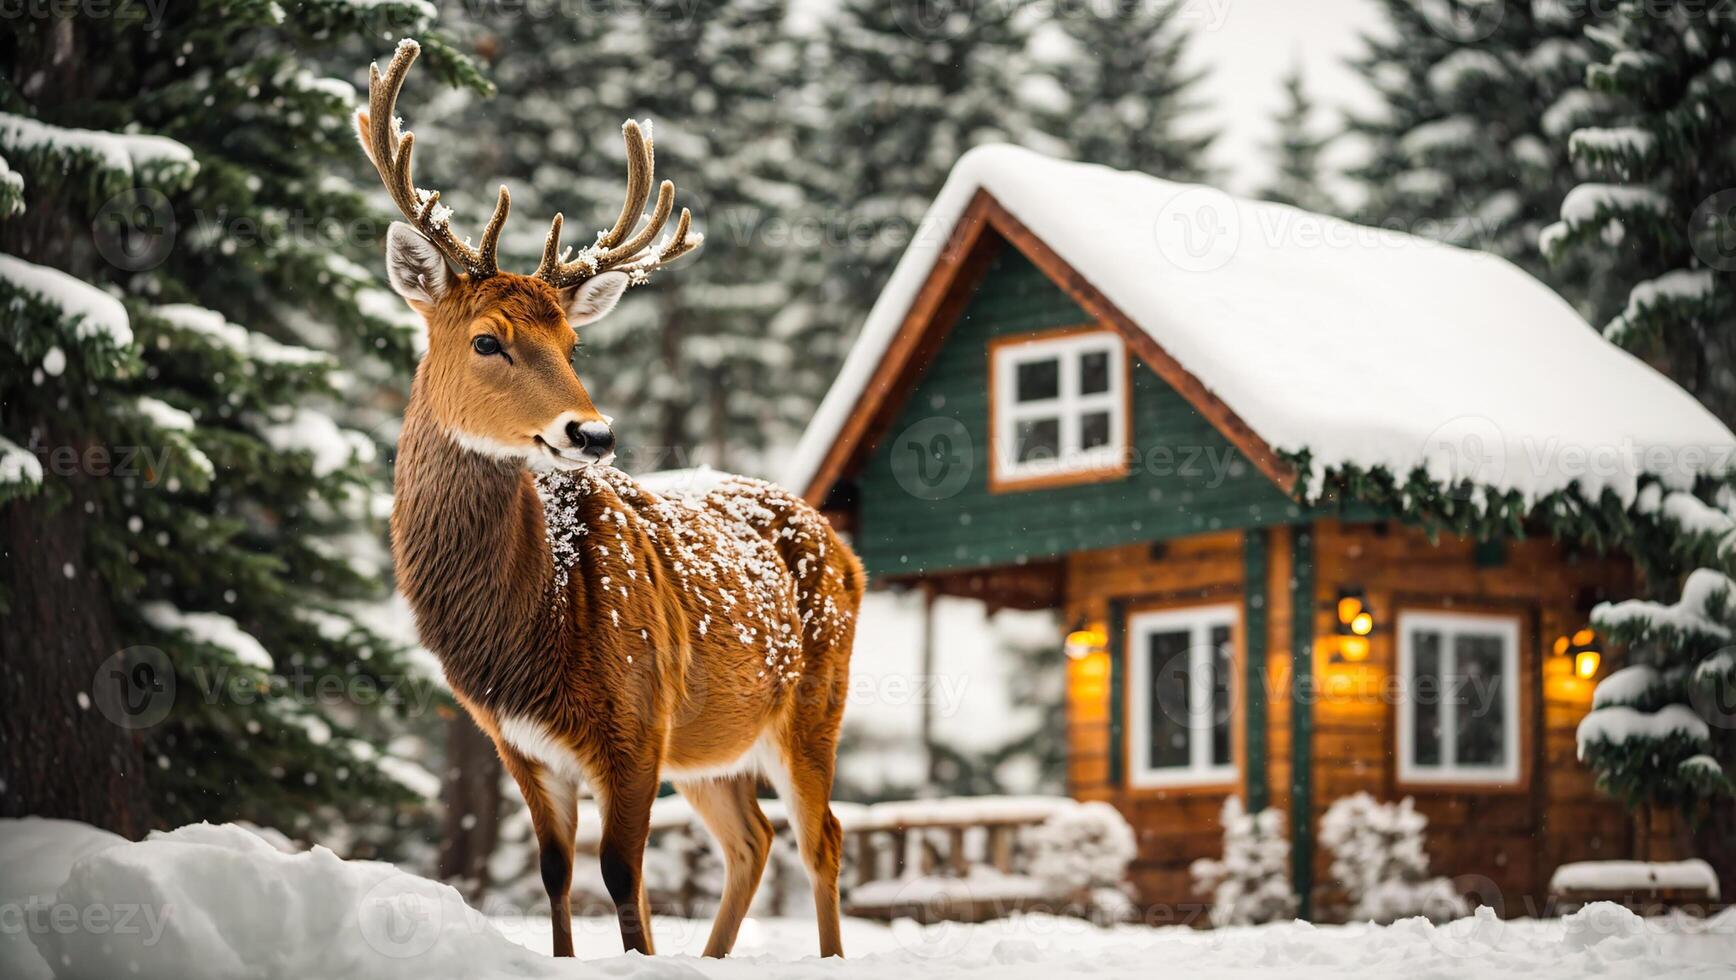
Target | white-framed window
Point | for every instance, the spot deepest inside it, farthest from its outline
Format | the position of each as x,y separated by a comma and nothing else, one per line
1182,667
1060,405
1458,717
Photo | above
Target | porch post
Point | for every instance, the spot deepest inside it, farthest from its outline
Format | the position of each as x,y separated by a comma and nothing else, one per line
1302,718
1117,681
1255,603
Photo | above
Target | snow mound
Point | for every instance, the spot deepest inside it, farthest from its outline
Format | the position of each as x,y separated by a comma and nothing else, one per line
37,855
225,903
1360,346
222,902
1611,929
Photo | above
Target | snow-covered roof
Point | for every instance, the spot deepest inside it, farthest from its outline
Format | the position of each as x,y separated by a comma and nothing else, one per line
1361,346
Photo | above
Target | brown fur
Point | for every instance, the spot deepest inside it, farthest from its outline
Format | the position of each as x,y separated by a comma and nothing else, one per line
642,634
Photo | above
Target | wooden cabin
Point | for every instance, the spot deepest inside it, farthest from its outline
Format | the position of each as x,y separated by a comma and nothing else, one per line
1073,396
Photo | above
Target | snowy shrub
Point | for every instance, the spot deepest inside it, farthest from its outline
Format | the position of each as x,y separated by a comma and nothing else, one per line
1378,856
1081,848
1251,883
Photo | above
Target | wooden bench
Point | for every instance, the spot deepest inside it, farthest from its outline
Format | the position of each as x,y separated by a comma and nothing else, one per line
1645,887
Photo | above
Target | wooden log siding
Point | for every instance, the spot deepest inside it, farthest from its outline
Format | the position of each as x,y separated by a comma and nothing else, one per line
1504,841
1339,736
1177,825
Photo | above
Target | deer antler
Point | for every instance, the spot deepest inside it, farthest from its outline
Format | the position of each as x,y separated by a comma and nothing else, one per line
635,255
388,149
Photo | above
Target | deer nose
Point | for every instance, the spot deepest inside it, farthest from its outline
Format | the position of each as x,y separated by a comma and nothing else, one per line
594,439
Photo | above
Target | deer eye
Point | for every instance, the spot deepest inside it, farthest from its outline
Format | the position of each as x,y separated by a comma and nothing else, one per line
485,344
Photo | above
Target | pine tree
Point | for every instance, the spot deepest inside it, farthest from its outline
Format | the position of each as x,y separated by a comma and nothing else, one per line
1297,150
171,387
1659,144
907,89
1464,148
1662,731
1658,147
1127,99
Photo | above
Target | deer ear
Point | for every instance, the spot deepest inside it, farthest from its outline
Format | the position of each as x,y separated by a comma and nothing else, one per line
594,298
415,267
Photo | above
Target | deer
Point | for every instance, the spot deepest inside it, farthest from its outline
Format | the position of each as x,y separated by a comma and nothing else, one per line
602,633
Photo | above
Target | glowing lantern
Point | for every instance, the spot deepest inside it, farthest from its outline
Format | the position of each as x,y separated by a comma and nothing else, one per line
1581,651
1349,607
1087,640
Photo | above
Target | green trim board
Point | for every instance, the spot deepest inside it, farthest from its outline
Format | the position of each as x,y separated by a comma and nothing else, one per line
1117,683
1302,718
1256,563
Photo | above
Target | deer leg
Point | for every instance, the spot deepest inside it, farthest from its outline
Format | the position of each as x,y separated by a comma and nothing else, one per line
804,781
553,804
626,812
733,817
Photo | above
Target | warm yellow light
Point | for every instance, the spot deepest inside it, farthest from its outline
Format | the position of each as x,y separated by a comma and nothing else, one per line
1561,645
1362,625
1094,668
1585,663
1354,649
1584,637
1348,608
1083,642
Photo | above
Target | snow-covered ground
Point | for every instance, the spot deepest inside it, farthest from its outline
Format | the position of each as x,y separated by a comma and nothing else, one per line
225,902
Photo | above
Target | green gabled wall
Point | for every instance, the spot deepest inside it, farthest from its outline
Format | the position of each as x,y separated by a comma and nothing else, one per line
902,533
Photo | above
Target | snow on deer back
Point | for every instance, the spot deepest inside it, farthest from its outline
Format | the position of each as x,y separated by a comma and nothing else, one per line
732,581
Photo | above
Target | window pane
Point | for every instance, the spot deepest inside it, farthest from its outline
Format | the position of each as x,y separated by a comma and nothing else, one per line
1039,380
1220,719
1425,697
1094,373
1482,710
1038,439
1167,706
1093,430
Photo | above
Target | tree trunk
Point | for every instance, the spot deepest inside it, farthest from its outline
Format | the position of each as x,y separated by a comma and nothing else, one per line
60,753
471,797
